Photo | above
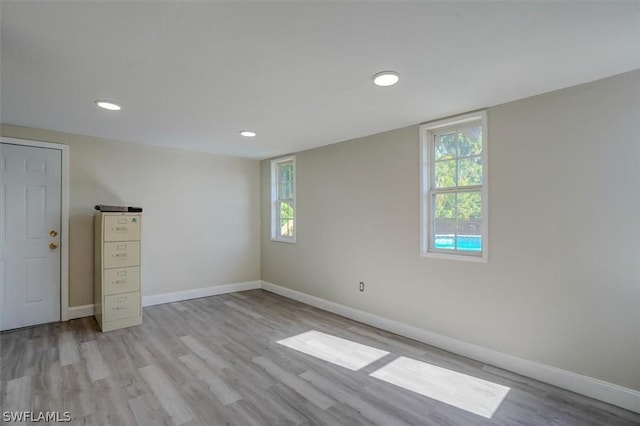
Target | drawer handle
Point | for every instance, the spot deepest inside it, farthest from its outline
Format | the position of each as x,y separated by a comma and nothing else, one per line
120,255
117,308
121,281
119,228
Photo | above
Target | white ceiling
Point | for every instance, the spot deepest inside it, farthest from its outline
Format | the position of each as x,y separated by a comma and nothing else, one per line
192,74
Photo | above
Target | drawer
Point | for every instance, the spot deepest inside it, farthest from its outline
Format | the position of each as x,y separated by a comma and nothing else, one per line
121,227
121,280
119,306
121,254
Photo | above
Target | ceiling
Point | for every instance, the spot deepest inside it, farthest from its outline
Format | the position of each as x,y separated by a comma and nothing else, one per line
191,75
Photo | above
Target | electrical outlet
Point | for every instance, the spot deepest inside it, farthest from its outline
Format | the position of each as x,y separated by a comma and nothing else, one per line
361,286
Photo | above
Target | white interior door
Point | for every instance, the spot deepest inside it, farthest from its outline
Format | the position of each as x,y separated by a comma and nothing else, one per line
30,204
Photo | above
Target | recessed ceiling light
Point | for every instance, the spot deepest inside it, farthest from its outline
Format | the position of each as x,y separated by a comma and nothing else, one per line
386,78
248,134
108,105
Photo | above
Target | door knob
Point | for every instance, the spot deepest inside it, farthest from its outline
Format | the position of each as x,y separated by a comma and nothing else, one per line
53,233
53,246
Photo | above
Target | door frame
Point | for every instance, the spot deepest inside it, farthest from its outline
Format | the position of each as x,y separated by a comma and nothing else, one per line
64,217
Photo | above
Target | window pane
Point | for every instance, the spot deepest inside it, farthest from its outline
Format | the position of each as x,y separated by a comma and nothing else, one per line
469,224
286,219
444,206
286,172
469,235
445,147
470,205
444,224
445,174
286,210
470,141
470,171
285,190
286,227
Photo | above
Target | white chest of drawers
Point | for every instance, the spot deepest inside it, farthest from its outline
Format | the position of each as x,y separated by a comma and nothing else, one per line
117,270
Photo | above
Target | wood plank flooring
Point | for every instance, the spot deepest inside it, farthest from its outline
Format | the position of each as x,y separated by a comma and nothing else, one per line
217,361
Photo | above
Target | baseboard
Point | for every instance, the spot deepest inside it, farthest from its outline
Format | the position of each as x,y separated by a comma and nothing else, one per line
82,311
593,388
196,293
158,299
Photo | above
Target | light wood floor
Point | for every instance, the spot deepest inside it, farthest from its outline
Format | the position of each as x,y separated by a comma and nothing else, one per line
215,361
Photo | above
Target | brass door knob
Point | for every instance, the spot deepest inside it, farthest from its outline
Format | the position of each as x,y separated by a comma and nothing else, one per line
53,246
53,233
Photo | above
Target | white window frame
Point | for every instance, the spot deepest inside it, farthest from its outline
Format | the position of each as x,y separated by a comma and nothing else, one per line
427,174
275,200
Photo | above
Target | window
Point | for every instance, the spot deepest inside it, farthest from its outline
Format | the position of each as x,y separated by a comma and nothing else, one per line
454,187
283,199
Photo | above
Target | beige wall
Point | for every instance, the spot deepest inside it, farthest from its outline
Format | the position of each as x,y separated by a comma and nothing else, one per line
562,285
200,222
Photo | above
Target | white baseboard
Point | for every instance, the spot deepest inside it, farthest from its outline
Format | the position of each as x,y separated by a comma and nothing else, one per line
594,388
76,312
158,299
196,293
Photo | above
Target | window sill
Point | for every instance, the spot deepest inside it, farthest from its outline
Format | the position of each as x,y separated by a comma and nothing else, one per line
451,256
281,240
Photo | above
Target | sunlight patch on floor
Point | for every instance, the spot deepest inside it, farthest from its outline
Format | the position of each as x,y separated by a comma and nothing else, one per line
460,390
335,350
